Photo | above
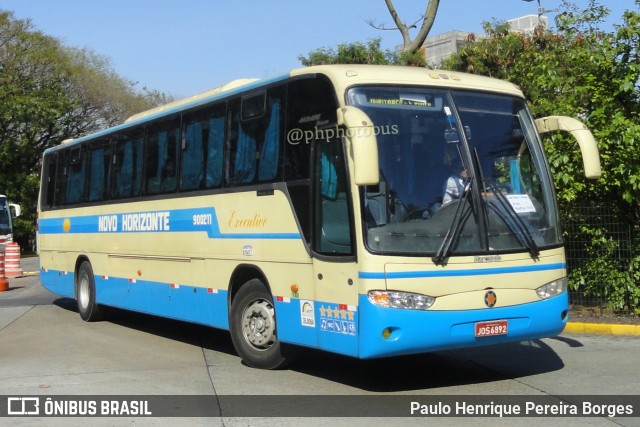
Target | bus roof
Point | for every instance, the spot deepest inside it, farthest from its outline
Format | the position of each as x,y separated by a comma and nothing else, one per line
342,76
347,75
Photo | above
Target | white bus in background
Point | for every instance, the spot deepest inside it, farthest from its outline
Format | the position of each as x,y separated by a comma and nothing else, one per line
7,211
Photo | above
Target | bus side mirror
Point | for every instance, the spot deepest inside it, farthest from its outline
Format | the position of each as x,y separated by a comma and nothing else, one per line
16,209
588,146
364,146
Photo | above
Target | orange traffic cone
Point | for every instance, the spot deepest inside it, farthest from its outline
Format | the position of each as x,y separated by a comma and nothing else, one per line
4,283
12,260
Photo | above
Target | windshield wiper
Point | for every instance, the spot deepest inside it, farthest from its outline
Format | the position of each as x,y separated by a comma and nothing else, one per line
459,219
514,222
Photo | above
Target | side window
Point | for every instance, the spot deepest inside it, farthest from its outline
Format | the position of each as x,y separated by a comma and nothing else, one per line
49,181
99,171
127,180
332,220
310,108
256,137
202,149
75,179
61,178
244,133
161,153
270,148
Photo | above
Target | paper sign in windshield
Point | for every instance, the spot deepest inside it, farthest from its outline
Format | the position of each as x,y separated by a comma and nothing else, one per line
521,203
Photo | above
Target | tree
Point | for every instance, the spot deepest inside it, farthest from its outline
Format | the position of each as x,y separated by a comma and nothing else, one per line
50,93
411,46
371,53
584,72
349,53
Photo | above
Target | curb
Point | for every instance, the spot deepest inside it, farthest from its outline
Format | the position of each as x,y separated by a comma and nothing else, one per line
602,328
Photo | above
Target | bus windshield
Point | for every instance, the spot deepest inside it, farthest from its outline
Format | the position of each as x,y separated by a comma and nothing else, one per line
458,169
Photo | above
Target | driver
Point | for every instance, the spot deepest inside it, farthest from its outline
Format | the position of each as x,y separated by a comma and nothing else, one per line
455,184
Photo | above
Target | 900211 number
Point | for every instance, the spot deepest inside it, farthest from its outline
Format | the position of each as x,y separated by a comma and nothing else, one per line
202,219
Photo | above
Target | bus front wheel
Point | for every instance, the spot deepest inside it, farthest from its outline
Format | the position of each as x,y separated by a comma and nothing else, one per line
89,310
252,324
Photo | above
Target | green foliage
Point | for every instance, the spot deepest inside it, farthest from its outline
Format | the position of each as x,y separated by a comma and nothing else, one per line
607,276
362,53
349,53
50,93
593,75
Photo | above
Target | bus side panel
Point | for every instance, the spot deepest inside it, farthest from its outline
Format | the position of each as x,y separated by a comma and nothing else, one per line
118,292
296,321
189,303
414,331
327,326
337,328
58,282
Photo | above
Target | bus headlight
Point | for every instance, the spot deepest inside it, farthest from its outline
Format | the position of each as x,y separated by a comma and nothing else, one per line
553,288
406,300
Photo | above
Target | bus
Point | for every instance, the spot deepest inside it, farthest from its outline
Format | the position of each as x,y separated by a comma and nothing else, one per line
308,209
6,223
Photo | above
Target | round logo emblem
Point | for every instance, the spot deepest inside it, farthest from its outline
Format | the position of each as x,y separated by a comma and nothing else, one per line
490,299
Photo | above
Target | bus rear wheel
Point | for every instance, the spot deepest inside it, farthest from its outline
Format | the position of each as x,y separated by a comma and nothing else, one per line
89,310
252,324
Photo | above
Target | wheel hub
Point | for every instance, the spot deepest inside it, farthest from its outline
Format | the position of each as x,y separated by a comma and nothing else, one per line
258,324
83,294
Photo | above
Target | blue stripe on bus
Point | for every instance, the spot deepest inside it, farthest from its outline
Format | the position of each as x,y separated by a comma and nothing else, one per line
160,221
459,273
329,331
364,331
188,303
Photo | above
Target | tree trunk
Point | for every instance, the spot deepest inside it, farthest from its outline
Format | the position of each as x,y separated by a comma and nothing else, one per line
408,45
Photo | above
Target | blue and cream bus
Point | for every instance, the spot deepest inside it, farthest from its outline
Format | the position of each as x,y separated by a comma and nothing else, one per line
316,208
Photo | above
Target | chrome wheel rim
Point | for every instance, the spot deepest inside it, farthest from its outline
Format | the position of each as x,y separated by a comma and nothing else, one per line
83,291
258,324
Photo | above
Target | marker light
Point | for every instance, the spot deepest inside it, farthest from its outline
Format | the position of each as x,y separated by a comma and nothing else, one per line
405,300
552,289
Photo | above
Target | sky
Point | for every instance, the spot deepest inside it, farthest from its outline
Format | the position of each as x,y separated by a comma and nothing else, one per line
189,46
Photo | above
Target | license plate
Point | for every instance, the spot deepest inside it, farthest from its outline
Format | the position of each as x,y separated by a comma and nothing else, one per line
492,328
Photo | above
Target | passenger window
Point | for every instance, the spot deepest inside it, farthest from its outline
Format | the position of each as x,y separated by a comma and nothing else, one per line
128,165
255,141
49,173
76,167
99,171
202,150
160,158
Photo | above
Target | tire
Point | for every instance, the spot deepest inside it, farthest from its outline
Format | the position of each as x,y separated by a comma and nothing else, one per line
252,324
88,309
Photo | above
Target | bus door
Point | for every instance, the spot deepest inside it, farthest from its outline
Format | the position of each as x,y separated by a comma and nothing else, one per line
335,271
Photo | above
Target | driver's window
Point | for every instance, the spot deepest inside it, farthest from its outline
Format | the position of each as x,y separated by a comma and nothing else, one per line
332,223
